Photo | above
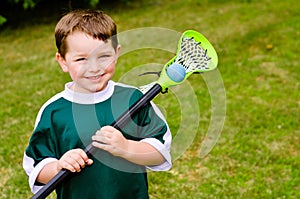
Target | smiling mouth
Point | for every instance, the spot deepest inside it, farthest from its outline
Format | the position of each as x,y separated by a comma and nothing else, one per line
95,77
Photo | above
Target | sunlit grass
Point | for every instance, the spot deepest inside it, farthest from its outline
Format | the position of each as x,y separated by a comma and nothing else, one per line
257,155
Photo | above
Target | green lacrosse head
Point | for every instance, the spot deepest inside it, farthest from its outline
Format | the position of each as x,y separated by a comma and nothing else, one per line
194,53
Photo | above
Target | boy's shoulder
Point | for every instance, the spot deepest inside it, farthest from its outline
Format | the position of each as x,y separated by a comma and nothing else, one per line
125,88
49,105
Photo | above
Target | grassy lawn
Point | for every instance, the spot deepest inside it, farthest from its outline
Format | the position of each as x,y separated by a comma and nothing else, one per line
257,154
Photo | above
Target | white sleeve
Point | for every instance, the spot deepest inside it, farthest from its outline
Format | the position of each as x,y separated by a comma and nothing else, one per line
163,148
33,172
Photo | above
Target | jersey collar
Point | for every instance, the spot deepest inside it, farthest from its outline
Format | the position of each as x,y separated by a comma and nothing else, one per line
93,98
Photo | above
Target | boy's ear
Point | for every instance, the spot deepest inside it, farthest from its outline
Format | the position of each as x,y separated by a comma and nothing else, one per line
118,50
62,62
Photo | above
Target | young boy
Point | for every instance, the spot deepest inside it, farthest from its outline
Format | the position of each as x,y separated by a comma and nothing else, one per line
88,50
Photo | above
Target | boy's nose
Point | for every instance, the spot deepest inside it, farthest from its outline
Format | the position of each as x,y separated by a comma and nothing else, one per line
94,65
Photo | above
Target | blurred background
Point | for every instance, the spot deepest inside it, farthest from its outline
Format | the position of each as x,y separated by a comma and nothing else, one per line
257,41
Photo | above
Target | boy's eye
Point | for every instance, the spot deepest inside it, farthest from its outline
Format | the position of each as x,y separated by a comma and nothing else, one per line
80,59
104,56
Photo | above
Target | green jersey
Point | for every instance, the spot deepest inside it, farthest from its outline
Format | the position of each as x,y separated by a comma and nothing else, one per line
69,119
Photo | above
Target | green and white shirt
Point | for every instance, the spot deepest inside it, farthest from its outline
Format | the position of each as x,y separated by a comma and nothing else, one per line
69,119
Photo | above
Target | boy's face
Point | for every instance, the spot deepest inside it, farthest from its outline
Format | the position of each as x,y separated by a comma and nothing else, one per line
90,62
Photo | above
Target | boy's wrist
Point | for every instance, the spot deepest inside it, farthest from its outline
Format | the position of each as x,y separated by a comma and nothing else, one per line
58,166
130,151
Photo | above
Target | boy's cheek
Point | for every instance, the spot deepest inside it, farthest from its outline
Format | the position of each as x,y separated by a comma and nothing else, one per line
74,75
110,68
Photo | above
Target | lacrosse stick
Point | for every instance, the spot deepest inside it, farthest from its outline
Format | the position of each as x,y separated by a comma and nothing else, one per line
194,54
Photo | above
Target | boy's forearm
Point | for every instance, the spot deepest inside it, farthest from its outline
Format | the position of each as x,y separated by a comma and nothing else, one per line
112,140
137,152
47,172
143,153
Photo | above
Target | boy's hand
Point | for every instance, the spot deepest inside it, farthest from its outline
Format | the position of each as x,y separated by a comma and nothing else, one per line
111,140
74,160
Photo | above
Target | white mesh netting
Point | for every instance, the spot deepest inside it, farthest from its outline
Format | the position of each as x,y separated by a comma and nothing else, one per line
192,56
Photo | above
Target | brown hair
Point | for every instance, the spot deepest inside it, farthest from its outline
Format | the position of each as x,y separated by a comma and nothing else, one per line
92,22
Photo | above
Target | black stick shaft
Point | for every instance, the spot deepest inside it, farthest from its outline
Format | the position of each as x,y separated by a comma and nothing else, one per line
119,123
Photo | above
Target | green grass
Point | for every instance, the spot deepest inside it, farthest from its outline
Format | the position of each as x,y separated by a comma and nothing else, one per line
257,154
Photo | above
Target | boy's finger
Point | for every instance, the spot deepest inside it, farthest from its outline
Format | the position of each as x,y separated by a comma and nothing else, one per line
89,162
99,138
108,129
100,145
83,156
68,166
80,161
84,159
74,164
